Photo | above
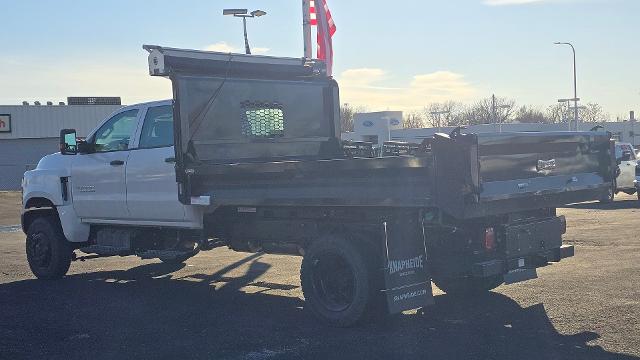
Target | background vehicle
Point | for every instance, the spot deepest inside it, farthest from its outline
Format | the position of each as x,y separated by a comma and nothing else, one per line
255,162
627,162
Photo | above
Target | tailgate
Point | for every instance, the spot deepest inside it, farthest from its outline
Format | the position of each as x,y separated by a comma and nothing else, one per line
488,174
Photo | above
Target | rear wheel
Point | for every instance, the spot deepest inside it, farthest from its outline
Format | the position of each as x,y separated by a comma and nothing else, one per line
468,285
337,281
610,196
48,251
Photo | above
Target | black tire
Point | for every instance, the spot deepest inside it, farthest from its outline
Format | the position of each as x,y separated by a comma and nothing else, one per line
338,281
48,251
609,198
469,285
177,260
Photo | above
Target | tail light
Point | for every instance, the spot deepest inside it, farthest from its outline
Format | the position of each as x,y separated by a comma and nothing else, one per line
489,239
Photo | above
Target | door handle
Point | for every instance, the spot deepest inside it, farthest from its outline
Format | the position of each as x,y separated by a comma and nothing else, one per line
170,160
116,163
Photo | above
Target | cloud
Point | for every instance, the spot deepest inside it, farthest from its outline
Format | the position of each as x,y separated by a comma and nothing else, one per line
259,50
30,79
221,47
224,47
364,87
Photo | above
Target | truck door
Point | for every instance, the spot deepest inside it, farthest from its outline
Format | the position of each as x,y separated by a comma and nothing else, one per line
98,178
152,190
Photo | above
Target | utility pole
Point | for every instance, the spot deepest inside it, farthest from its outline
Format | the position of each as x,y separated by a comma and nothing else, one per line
493,108
306,28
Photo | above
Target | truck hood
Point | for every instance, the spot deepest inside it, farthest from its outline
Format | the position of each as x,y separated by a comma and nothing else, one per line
55,161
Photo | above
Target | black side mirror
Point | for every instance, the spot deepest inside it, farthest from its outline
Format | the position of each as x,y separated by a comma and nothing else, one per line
68,142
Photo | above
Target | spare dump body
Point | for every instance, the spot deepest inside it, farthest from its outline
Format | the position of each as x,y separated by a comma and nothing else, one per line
252,131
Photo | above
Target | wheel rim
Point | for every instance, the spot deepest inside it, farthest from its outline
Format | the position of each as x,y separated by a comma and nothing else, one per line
40,250
334,282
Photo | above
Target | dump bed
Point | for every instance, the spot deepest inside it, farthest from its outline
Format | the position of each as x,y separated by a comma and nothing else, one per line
253,131
480,174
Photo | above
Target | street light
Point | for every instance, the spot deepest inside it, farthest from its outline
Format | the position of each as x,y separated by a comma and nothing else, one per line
575,81
242,13
568,102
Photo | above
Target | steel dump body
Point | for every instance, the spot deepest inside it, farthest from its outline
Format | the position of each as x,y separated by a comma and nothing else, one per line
302,162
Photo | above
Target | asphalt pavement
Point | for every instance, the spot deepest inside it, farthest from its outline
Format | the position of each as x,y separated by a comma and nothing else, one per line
226,305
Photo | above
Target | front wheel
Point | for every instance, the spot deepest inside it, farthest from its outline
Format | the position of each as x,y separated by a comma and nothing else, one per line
337,281
468,285
48,251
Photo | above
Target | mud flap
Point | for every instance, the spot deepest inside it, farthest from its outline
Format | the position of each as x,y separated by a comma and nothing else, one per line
407,280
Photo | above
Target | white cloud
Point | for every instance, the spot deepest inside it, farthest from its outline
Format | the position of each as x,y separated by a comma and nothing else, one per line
30,80
363,87
225,47
259,50
221,46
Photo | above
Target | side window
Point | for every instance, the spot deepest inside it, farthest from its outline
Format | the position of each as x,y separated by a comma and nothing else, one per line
157,130
116,133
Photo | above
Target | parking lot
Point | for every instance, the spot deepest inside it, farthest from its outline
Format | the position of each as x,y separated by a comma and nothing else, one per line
226,305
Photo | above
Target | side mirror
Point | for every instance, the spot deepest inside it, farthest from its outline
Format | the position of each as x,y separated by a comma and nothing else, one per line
68,142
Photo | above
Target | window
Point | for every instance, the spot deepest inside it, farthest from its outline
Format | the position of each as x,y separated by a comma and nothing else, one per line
115,134
157,130
262,120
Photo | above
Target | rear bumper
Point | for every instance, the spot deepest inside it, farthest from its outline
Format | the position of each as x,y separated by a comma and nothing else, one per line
498,267
527,247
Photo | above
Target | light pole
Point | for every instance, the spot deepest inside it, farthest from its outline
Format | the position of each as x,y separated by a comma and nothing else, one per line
575,82
242,13
568,102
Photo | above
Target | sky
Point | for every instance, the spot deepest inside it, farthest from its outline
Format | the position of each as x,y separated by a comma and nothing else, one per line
400,55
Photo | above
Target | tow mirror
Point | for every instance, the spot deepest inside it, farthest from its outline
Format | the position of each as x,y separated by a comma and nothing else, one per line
68,142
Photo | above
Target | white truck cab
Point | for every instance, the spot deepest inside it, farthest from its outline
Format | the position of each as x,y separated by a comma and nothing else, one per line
122,175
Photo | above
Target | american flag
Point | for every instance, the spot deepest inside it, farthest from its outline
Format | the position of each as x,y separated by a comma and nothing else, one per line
326,29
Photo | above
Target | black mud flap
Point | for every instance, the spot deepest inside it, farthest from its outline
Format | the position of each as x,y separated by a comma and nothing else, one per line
407,280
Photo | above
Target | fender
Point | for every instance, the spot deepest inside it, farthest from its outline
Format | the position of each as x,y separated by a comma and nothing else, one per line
46,182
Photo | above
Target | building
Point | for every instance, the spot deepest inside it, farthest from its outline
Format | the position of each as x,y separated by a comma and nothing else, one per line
379,127
29,132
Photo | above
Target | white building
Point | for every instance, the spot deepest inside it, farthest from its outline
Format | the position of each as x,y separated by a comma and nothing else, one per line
378,128
28,132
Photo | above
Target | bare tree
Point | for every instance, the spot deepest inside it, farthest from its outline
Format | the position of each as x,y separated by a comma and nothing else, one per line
529,114
414,120
593,112
448,113
558,113
347,112
486,112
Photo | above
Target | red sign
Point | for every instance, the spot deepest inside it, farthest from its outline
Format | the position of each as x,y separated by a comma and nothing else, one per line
5,123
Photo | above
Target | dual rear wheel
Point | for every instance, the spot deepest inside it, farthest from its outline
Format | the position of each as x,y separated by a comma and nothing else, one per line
339,280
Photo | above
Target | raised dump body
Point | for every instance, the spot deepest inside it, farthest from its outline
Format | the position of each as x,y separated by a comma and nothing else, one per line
262,130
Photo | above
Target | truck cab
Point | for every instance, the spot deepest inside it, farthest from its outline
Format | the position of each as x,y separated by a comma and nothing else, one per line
122,174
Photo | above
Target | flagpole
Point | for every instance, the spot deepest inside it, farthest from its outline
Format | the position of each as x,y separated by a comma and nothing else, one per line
306,26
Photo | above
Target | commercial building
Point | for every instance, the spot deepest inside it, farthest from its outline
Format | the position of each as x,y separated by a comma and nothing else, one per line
387,126
29,132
